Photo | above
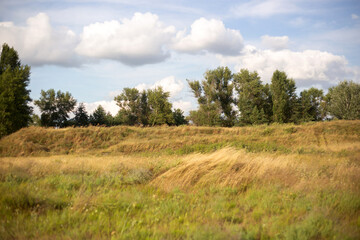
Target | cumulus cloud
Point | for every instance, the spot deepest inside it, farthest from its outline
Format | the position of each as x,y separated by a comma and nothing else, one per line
115,93
109,106
209,36
136,41
38,43
267,8
354,16
183,105
309,66
275,43
169,84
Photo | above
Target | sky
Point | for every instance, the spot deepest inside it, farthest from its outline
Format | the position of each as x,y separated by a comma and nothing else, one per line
93,49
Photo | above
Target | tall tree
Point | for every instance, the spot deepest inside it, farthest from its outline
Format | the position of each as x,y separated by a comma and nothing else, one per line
253,98
98,117
209,112
215,96
15,112
160,107
343,100
110,120
258,117
283,97
81,117
179,118
311,101
134,109
55,107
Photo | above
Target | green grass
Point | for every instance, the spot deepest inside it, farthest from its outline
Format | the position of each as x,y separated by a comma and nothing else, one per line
263,182
72,207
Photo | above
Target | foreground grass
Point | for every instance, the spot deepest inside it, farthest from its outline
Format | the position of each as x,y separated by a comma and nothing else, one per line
218,190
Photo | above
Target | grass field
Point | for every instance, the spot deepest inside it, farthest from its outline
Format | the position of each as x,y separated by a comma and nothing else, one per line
261,182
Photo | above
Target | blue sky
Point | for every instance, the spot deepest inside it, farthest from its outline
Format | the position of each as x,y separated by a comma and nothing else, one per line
94,49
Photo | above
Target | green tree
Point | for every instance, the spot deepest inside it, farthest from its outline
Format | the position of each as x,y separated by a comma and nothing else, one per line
55,107
119,119
15,112
253,98
160,107
284,98
343,100
206,115
257,117
311,101
81,117
134,109
179,118
98,117
110,120
215,98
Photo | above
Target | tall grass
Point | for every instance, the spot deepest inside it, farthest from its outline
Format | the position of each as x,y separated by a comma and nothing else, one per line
263,182
313,137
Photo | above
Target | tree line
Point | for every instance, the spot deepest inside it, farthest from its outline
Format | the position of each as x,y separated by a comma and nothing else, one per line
224,99
147,108
227,99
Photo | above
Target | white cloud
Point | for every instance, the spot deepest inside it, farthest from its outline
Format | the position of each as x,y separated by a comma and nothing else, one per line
115,93
136,41
354,16
267,8
183,105
36,109
109,106
275,43
308,66
169,84
38,43
209,36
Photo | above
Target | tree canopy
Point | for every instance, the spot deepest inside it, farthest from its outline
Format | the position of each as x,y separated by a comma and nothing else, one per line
15,111
98,117
134,109
283,97
344,100
215,98
254,99
81,118
160,107
311,101
55,107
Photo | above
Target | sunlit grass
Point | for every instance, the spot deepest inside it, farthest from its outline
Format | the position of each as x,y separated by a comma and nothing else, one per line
263,182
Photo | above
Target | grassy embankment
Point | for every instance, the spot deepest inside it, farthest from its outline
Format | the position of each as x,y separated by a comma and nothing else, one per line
263,182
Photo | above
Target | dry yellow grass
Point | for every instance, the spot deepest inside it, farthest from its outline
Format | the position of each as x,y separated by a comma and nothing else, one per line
298,156
326,136
277,181
234,168
225,167
64,164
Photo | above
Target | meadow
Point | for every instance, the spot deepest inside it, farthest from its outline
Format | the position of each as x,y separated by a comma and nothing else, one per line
259,182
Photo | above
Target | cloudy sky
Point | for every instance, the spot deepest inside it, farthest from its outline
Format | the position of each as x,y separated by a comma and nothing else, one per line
94,49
